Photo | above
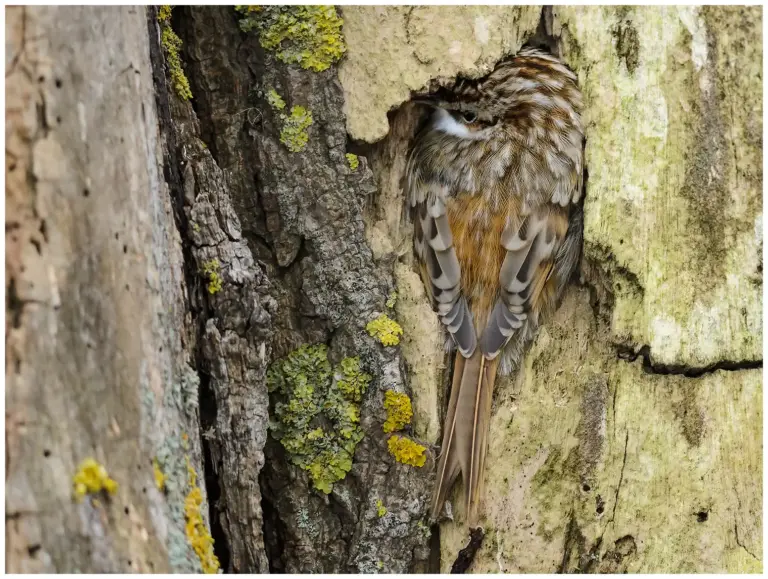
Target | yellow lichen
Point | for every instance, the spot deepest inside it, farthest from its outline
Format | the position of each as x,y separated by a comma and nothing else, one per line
385,330
399,410
308,391
407,451
92,478
309,36
211,271
381,510
294,131
164,13
159,476
275,100
353,161
172,45
197,533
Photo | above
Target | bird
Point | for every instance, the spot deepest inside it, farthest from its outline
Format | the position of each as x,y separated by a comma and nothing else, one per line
494,182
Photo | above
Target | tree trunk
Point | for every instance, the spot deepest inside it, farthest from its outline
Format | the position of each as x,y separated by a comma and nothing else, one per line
169,257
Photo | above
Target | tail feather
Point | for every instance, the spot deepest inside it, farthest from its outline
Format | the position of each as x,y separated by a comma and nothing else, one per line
465,434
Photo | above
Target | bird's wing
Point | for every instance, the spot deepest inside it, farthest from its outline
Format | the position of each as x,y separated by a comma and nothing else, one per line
530,248
433,243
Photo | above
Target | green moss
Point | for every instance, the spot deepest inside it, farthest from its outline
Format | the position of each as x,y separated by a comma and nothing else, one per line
294,132
172,45
309,36
211,271
275,100
353,161
407,451
385,330
317,412
399,411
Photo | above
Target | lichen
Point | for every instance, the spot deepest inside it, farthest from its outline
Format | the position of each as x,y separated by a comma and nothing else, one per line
172,461
90,478
399,410
309,36
391,300
159,476
211,271
197,533
381,510
317,412
172,45
407,451
354,162
294,130
385,330
164,13
275,100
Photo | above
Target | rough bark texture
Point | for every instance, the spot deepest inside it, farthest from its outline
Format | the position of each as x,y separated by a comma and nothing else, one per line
97,357
301,214
162,254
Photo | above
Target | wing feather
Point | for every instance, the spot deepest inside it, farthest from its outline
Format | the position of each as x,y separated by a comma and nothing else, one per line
530,250
433,242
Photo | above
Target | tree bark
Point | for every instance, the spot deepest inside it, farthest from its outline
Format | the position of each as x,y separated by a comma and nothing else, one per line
164,254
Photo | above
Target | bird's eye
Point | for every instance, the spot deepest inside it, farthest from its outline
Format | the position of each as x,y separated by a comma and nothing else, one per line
469,116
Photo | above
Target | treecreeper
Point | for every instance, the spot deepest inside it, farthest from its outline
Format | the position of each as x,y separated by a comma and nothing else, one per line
494,180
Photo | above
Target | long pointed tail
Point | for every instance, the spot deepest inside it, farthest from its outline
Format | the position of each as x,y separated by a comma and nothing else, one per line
465,433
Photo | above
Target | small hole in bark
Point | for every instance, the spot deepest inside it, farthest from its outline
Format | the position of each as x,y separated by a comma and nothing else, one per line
58,83
127,511
702,516
58,120
586,488
12,167
600,509
130,563
37,245
125,249
41,78
86,192
33,549
144,490
127,287
117,236
621,242
46,453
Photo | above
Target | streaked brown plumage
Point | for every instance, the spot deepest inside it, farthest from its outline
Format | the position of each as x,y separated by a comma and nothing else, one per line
494,181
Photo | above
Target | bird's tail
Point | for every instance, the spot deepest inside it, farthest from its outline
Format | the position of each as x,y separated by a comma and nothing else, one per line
465,433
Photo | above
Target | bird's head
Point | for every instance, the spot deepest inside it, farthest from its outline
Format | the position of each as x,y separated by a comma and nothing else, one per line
533,86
